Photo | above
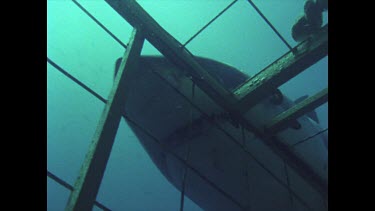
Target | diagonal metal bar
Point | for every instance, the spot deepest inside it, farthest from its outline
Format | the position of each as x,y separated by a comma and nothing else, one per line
76,80
133,13
69,187
167,149
286,67
171,49
218,127
293,158
310,137
209,23
88,182
100,24
287,182
270,24
238,143
282,120
60,181
213,185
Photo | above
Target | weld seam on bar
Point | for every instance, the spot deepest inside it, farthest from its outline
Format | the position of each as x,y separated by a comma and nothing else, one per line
269,23
76,80
209,23
308,138
100,24
69,187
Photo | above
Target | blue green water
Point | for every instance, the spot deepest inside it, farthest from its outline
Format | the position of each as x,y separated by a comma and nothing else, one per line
76,43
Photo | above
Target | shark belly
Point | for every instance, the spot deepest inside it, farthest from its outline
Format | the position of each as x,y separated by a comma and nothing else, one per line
226,168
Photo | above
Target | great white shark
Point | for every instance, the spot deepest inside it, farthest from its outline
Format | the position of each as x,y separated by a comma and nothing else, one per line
193,141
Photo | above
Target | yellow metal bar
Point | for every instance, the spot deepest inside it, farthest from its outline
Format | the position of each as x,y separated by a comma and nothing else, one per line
173,50
288,66
88,182
281,121
281,71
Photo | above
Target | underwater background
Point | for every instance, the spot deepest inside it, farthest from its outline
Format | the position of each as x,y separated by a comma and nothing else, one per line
240,37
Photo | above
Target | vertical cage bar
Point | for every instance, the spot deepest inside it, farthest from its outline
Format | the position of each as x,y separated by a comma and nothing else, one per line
88,182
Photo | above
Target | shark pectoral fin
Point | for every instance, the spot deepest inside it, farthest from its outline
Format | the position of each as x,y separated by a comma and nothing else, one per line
312,114
295,125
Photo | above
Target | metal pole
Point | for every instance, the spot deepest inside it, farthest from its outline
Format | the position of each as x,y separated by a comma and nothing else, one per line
87,185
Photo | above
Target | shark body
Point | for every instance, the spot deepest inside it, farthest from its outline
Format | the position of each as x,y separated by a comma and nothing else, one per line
192,141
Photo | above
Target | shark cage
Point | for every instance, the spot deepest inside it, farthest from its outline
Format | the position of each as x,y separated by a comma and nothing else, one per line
223,139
